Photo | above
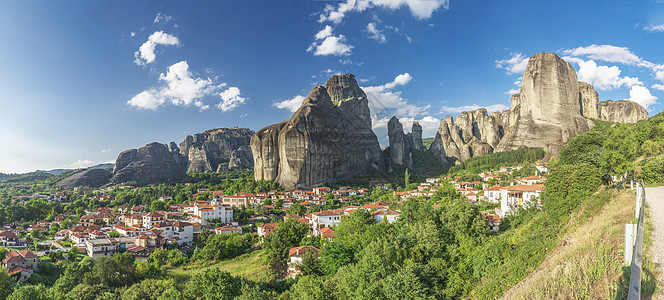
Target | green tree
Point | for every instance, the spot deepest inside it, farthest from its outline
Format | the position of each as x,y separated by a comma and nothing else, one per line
310,264
213,284
406,179
6,284
30,292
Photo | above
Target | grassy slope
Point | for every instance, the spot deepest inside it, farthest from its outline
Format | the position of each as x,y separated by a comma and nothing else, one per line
252,266
588,261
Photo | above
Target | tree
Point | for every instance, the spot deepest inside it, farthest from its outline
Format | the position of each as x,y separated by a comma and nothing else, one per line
113,234
310,264
158,205
6,284
406,178
213,283
30,292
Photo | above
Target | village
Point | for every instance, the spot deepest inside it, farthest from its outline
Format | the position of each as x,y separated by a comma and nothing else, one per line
139,230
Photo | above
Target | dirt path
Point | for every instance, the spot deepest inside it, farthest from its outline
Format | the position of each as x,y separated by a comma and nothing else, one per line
655,199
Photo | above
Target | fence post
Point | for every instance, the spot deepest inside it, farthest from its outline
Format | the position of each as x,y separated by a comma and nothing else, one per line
630,234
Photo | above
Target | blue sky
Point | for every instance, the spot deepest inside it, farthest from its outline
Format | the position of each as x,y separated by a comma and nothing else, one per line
82,81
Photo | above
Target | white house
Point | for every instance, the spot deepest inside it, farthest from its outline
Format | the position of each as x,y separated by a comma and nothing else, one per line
296,254
202,213
322,219
385,214
492,194
228,229
518,196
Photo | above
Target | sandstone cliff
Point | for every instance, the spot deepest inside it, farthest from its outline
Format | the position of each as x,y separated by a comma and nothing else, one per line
621,111
213,150
327,139
416,132
400,143
88,177
149,164
551,107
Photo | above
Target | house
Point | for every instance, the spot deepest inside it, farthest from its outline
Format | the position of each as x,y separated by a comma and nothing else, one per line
385,214
266,229
493,221
296,254
227,229
239,199
328,233
531,180
202,212
24,262
433,180
152,218
322,219
493,194
518,196
79,238
322,190
8,239
104,247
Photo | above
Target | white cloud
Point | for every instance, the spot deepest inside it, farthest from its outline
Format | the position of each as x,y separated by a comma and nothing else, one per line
459,109
133,34
603,77
148,99
418,8
515,64
375,33
162,18
110,161
654,27
328,44
610,53
230,99
383,98
145,53
81,163
512,92
292,104
105,150
658,86
641,95
183,89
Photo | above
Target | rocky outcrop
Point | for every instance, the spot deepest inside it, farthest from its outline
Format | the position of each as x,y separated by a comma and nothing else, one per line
88,177
327,139
621,111
551,107
548,111
212,150
416,131
589,99
473,133
400,148
149,164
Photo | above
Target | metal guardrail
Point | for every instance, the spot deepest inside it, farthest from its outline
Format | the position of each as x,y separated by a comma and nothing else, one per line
634,243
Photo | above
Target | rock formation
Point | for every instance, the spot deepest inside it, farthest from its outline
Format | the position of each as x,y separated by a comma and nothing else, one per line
551,107
149,164
327,139
416,131
621,111
87,177
212,150
400,148
589,99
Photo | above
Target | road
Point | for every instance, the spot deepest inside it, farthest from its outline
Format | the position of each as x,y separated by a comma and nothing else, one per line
655,199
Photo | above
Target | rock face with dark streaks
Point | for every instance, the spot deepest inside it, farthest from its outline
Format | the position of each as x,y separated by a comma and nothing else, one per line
551,107
416,131
88,177
212,150
400,143
151,163
621,111
327,139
